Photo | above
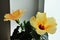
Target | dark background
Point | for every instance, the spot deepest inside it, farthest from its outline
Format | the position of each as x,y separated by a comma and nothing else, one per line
4,26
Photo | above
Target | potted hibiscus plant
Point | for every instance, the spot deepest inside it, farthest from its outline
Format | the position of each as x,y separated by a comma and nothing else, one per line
37,28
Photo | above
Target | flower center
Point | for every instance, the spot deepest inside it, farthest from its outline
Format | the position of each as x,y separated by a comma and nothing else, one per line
41,27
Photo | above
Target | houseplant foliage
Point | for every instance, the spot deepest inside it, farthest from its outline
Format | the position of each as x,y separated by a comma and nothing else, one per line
37,28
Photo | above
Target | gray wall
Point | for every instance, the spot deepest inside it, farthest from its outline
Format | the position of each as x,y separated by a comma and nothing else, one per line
30,7
41,6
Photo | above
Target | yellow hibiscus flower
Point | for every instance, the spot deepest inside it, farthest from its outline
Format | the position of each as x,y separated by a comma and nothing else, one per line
13,16
43,24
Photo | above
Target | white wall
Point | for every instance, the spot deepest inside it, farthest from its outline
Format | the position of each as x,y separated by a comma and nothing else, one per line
52,8
30,7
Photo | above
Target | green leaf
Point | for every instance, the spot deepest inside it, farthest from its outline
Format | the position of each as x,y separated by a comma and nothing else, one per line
17,21
24,22
22,26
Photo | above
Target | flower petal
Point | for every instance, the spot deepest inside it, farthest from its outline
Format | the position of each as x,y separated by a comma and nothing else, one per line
41,17
33,22
17,14
14,16
40,32
51,30
51,25
8,17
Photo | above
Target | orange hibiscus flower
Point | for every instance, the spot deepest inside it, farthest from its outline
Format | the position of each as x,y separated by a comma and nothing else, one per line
13,16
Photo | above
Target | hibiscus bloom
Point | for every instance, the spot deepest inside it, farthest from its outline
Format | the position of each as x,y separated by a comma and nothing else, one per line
43,24
13,16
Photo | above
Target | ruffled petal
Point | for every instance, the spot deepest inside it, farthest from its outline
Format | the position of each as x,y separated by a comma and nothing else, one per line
33,22
41,17
51,25
13,16
8,17
51,30
17,14
40,32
